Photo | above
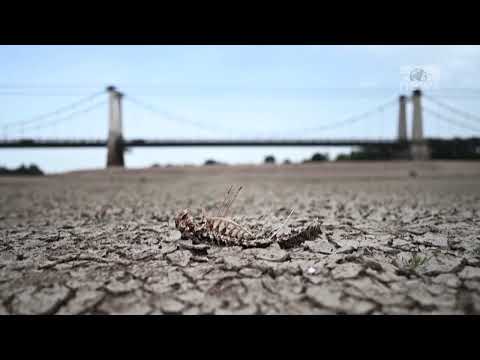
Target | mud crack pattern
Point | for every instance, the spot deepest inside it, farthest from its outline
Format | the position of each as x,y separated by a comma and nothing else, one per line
105,243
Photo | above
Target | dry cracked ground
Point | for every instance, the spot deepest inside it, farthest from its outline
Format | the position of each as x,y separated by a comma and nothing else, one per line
397,238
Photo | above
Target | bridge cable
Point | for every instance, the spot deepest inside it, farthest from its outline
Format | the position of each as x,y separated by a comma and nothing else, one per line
66,118
52,113
328,126
450,120
170,116
49,94
352,119
454,109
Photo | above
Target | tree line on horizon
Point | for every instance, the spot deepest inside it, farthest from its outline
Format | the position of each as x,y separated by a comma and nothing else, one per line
455,149
22,170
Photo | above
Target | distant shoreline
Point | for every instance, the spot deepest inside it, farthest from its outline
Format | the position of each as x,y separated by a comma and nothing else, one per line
363,168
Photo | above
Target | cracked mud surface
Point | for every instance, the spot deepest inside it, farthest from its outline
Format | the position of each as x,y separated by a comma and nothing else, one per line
105,242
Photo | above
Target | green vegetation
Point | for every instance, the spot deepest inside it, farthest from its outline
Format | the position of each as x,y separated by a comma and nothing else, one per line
467,149
210,162
455,149
270,159
22,170
369,153
415,262
476,251
319,157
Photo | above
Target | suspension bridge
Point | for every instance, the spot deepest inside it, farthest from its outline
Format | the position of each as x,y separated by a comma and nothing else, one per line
415,146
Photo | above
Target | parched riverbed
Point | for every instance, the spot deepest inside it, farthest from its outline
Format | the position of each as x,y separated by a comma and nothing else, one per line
397,238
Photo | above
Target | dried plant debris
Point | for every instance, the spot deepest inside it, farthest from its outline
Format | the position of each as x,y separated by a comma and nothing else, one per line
298,236
223,231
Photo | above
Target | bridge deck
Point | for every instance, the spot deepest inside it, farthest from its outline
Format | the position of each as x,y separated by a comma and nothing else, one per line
31,143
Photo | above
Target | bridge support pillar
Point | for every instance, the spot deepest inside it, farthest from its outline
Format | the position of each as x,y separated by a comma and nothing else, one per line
419,149
402,151
402,118
115,138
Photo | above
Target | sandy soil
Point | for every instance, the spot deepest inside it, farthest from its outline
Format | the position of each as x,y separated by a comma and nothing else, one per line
397,238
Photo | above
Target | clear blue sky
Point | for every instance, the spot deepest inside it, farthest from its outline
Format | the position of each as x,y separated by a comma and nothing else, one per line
227,92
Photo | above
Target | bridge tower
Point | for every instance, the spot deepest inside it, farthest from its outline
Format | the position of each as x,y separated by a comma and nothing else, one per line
115,138
402,151
402,118
419,148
